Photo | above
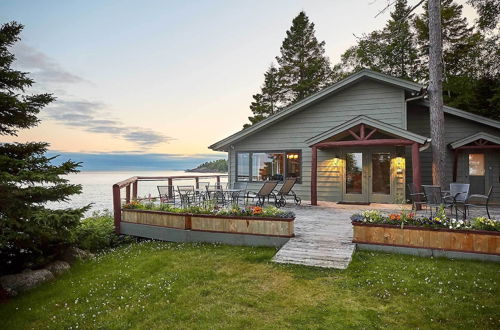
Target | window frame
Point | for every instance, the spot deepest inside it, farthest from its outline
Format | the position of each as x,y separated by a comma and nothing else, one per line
285,166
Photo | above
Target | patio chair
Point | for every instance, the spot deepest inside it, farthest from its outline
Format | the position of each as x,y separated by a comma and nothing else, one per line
202,191
266,191
167,194
240,194
434,198
459,192
216,193
417,198
485,199
187,195
285,191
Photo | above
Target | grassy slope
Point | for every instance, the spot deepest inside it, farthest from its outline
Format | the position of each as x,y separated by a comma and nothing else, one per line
166,285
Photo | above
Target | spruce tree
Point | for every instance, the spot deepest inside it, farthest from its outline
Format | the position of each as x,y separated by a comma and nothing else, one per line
391,50
458,39
29,231
303,66
268,101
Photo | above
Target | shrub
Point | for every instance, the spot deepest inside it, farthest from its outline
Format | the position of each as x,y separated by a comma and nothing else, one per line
97,233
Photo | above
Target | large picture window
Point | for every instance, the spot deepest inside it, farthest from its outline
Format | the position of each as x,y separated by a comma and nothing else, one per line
263,166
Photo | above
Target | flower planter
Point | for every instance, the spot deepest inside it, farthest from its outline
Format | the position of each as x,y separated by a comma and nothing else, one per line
264,226
471,241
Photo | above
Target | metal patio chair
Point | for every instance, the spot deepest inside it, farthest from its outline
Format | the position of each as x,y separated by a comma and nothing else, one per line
266,191
202,191
242,187
167,194
459,192
216,193
485,199
187,195
434,198
285,191
417,198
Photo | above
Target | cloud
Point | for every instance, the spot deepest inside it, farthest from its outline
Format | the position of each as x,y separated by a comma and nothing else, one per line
43,68
88,116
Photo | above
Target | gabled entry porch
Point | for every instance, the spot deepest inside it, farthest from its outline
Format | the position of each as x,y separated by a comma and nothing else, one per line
363,161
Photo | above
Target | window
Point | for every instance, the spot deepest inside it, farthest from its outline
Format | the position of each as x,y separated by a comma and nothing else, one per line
476,164
263,166
243,170
381,173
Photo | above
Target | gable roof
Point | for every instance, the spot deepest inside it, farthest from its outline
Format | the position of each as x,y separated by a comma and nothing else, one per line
467,115
386,128
475,137
300,105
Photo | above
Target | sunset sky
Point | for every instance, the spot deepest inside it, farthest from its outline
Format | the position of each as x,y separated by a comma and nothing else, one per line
162,77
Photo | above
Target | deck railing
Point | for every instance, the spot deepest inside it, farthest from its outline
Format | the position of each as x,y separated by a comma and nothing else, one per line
131,188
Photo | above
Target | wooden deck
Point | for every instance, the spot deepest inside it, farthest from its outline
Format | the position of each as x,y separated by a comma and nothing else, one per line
323,233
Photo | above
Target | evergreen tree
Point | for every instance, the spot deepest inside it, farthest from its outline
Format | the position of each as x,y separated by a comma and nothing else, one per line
488,13
303,66
29,231
458,40
391,50
268,101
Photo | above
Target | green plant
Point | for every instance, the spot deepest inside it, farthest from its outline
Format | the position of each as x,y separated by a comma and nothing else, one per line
483,223
98,233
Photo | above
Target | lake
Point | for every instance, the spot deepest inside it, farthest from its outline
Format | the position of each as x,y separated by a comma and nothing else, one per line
97,187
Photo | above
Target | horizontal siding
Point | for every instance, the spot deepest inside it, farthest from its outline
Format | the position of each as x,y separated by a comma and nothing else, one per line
455,128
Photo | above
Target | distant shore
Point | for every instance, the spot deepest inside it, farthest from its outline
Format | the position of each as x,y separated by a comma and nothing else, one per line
204,170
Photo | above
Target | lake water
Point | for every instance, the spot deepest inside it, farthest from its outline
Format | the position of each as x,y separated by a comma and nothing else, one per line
97,187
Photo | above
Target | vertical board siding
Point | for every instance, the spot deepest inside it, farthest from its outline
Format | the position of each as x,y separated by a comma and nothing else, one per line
455,128
367,97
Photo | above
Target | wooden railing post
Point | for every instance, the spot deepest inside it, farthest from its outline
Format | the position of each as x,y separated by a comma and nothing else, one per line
134,190
117,207
218,179
197,181
127,194
170,187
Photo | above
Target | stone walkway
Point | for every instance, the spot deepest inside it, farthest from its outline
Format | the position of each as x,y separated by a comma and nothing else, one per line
323,233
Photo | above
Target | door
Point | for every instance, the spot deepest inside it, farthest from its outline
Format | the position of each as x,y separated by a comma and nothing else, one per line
477,173
355,177
380,177
368,176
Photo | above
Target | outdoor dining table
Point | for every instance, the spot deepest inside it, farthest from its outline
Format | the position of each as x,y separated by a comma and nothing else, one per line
228,194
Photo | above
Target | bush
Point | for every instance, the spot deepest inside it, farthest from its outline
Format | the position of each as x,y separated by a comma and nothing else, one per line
97,233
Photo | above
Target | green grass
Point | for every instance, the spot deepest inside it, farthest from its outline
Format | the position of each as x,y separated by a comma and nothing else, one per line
154,285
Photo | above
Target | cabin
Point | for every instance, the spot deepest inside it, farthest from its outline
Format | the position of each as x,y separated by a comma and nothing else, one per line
363,140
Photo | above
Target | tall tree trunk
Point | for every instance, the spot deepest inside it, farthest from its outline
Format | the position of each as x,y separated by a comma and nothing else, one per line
436,93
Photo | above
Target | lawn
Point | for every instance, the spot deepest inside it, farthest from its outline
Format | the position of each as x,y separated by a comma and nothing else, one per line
154,285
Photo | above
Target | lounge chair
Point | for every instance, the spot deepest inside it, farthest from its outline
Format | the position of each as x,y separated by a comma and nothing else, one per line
475,198
285,191
266,191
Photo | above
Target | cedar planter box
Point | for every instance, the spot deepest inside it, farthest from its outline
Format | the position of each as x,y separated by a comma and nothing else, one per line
472,241
278,227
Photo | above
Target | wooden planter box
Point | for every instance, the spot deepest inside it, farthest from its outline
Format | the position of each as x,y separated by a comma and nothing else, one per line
472,241
279,227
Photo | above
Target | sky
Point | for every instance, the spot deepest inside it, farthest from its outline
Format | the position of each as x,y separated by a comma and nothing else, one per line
148,78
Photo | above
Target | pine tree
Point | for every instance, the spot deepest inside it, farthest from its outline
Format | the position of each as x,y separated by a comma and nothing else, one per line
458,40
304,67
29,231
391,50
268,101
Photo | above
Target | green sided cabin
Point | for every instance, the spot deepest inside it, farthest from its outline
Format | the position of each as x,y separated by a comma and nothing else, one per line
363,140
